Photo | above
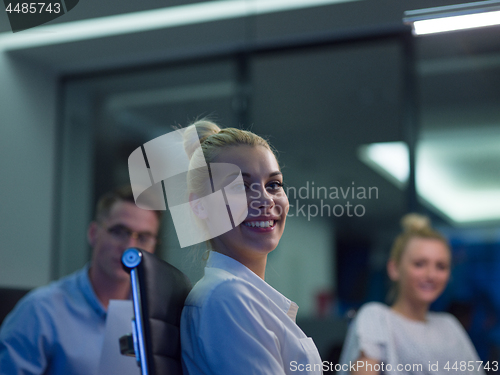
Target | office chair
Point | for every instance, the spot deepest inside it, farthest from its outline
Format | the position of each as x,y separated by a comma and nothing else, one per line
10,297
158,293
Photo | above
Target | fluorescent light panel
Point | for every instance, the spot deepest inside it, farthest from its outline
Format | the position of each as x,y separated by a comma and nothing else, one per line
389,159
469,21
435,185
150,20
454,17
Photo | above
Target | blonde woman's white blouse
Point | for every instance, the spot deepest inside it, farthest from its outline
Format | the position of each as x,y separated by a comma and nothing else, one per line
234,323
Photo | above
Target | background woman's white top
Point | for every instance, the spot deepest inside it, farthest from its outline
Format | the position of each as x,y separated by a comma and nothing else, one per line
409,346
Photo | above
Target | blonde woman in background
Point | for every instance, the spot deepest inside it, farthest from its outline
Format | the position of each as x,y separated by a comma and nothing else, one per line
407,338
233,322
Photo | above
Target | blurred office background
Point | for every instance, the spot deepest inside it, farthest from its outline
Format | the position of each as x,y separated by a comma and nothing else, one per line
344,93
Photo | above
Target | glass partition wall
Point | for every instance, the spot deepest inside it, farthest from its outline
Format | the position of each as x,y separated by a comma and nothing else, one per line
127,109
322,106
458,165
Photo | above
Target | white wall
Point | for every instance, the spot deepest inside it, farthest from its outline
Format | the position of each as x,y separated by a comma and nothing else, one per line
27,144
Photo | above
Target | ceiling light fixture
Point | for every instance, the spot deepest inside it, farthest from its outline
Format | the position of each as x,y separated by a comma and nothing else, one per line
150,20
453,17
452,173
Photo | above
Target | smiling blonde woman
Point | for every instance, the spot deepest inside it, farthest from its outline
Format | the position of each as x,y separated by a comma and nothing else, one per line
233,322
407,338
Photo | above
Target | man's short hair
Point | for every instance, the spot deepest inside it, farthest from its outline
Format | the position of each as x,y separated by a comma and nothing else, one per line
120,194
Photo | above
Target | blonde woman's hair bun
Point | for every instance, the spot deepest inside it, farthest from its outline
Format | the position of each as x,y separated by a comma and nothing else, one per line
198,131
415,222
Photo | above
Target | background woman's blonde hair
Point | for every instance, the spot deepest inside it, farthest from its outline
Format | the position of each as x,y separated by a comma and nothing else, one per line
414,226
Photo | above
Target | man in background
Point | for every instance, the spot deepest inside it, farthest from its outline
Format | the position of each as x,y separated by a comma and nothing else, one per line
59,329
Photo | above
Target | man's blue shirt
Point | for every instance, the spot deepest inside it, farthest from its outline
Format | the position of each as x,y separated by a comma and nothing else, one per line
57,329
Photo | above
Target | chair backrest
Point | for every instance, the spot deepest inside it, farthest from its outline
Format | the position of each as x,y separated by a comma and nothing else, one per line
158,292
9,298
